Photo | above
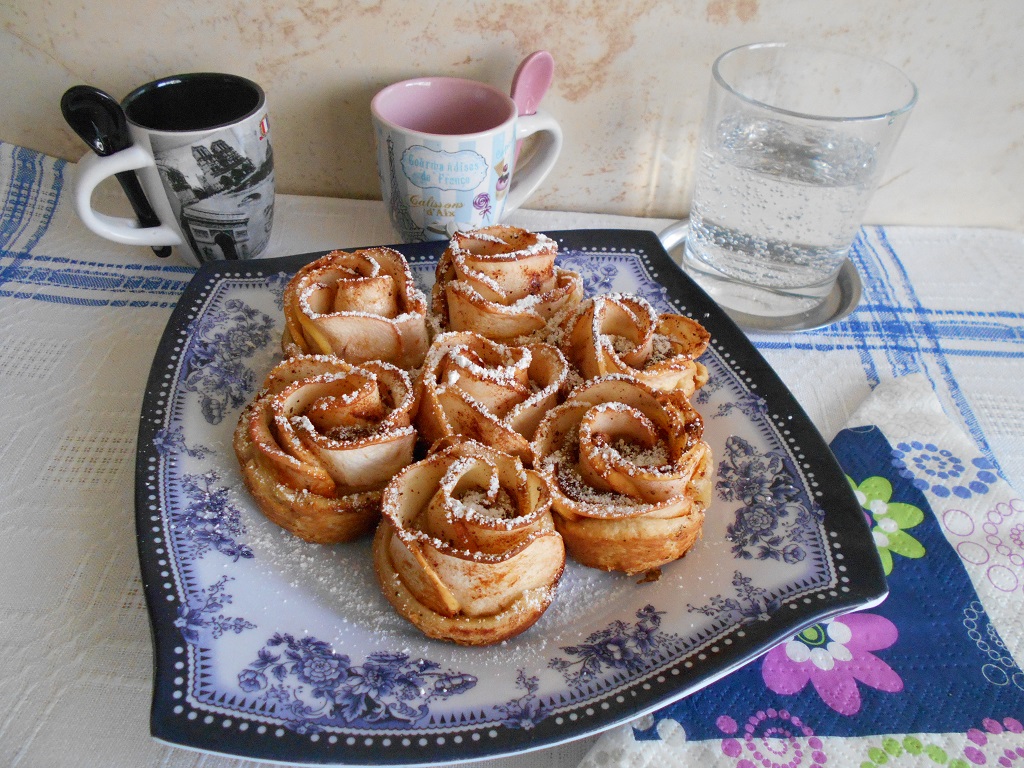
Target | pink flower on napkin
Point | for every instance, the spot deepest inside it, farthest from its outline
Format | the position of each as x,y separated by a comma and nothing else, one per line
834,656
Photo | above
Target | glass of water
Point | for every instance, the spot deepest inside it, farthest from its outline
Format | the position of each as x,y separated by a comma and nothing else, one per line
793,145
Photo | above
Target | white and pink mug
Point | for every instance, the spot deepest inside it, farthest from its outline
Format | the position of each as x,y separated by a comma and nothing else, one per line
446,155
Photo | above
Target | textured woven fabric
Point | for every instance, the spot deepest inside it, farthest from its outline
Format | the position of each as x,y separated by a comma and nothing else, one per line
80,319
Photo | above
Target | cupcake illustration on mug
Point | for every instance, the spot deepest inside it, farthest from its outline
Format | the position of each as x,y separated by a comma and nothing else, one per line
504,176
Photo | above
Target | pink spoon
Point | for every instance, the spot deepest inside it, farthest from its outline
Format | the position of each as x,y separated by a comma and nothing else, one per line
530,82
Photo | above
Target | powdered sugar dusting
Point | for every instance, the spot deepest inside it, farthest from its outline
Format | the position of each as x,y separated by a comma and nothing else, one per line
662,349
540,243
650,457
562,467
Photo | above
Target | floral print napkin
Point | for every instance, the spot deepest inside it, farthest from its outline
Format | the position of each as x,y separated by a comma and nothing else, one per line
932,676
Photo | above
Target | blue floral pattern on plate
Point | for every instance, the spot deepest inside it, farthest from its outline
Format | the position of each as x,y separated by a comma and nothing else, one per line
619,646
202,620
217,370
313,687
775,521
271,648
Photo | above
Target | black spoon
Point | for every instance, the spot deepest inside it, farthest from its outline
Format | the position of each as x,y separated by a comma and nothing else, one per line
99,120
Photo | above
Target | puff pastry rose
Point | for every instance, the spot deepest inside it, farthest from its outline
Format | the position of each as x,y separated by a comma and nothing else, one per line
620,333
320,442
629,473
502,283
466,549
359,306
494,393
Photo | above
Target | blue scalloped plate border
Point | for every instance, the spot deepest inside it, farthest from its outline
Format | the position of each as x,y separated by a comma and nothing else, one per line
241,663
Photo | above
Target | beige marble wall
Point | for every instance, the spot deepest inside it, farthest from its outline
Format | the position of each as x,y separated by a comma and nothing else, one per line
630,83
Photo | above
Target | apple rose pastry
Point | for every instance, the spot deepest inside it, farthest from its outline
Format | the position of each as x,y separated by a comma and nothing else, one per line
619,333
490,392
466,549
629,474
359,306
502,283
320,442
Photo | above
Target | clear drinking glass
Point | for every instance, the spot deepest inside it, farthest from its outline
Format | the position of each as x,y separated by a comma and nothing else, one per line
793,145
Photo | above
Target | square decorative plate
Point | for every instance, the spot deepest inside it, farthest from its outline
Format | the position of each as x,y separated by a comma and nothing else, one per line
270,648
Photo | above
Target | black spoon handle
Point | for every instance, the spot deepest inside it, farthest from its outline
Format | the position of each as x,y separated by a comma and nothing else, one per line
143,211
99,121
133,190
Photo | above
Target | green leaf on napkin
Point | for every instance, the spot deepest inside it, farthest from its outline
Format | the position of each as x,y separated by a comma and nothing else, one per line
889,520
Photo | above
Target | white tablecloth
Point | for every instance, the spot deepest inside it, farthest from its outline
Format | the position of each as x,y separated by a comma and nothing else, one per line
81,318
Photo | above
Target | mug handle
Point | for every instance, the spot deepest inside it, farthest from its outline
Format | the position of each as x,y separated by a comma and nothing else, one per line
93,169
526,179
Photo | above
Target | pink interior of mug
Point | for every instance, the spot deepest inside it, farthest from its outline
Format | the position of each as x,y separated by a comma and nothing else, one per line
443,106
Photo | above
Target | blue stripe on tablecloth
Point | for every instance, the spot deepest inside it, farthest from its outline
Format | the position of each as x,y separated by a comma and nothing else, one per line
29,205
30,198
935,339
88,283
895,334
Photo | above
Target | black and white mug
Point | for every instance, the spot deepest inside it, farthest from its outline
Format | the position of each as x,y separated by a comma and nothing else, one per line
201,149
